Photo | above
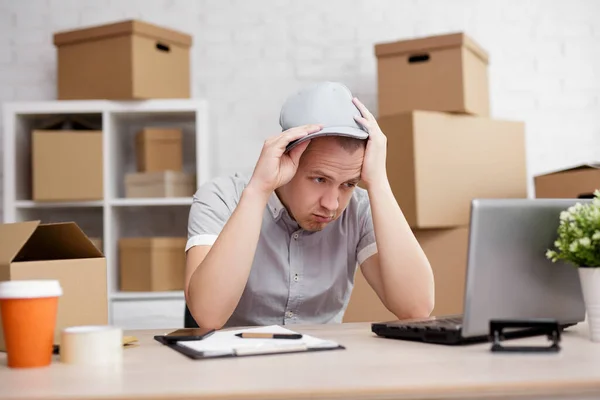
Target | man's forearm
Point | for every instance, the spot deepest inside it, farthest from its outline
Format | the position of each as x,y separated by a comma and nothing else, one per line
217,284
406,275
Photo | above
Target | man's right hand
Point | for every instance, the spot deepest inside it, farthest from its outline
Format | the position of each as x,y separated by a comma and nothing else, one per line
274,167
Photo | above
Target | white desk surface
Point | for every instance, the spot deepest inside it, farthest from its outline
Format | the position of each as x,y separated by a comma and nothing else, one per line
370,367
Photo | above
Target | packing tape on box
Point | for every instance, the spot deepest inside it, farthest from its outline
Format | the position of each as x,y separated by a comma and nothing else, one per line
91,345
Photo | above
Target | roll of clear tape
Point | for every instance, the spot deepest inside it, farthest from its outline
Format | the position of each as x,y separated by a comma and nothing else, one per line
91,345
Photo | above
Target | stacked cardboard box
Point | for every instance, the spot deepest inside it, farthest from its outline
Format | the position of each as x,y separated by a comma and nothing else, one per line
159,160
444,150
155,263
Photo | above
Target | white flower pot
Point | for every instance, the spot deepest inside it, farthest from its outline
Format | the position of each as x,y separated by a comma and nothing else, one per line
590,285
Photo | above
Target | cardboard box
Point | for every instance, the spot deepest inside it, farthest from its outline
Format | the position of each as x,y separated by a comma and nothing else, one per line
438,73
446,250
438,162
579,181
125,60
160,184
96,241
67,165
159,149
31,250
152,264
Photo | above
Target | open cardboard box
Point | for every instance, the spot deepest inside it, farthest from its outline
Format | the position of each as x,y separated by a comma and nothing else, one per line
61,251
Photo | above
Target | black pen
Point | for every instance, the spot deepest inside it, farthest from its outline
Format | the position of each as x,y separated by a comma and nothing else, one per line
256,335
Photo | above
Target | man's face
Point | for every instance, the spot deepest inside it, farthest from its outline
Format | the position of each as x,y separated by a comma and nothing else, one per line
323,184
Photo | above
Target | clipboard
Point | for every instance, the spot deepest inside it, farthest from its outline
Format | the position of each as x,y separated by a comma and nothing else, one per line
223,345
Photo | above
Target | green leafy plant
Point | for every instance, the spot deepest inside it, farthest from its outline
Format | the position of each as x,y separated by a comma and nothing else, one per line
578,239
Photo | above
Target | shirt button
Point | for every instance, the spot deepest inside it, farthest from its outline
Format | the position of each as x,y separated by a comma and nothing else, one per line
296,278
295,236
290,314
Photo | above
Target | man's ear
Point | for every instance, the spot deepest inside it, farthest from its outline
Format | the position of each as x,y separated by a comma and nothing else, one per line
297,151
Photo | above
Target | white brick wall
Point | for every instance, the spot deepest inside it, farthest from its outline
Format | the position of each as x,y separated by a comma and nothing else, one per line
249,55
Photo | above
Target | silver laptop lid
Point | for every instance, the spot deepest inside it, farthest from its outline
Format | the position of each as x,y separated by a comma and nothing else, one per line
508,274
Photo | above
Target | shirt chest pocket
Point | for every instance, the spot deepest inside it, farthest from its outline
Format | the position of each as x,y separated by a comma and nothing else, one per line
326,274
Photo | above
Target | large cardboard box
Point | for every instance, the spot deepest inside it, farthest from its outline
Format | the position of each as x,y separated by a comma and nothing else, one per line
160,184
438,73
579,181
438,162
152,264
446,250
125,60
32,250
97,241
159,149
67,165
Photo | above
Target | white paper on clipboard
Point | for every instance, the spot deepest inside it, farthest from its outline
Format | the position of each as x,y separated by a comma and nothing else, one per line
225,342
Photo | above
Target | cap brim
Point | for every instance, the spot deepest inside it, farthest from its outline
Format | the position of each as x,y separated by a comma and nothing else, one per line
330,131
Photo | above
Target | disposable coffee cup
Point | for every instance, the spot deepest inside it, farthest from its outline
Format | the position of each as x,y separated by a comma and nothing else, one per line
29,309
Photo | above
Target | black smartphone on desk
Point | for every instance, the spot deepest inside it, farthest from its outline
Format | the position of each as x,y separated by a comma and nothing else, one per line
186,334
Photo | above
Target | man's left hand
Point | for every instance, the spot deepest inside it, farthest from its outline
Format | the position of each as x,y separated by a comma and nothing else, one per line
374,165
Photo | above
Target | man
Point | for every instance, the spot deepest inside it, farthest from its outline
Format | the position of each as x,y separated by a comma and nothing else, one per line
282,247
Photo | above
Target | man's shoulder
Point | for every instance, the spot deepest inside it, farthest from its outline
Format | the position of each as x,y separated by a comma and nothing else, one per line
360,199
359,206
228,188
360,194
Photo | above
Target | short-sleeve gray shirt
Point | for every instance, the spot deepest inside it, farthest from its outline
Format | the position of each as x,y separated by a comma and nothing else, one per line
297,276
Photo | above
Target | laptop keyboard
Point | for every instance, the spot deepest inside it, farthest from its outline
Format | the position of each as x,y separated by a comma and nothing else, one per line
443,322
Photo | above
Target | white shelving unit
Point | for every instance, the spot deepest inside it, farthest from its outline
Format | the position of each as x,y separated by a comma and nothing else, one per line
114,216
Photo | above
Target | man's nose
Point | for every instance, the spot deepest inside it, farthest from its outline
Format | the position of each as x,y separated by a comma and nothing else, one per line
330,201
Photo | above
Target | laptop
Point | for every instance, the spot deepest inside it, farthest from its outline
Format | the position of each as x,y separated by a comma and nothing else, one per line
508,276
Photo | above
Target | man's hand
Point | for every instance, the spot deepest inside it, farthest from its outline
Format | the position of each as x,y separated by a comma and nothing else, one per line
274,167
374,164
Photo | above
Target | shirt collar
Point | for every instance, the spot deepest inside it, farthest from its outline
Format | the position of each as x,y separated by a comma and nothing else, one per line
275,206
280,213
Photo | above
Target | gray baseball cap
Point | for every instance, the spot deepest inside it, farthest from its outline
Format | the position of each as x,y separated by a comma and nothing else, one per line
326,103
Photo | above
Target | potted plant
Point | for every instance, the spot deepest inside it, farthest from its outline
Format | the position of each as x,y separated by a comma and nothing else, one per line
578,243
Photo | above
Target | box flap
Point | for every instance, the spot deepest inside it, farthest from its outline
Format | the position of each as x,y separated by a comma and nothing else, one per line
431,43
119,29
13,237
58,241
576,167
74,123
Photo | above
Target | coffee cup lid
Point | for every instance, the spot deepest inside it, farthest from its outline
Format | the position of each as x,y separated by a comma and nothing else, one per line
30,289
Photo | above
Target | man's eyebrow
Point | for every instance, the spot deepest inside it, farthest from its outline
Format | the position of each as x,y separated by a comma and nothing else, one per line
324,175
321,173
